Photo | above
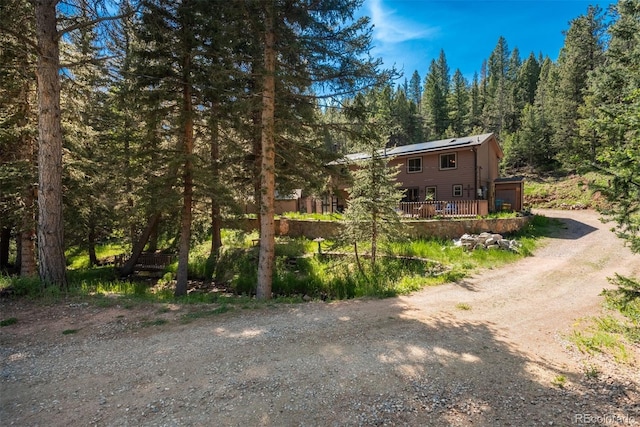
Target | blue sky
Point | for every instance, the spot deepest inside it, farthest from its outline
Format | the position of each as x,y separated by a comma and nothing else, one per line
410,33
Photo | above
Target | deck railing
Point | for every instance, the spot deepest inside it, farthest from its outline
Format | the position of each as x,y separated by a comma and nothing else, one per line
440,209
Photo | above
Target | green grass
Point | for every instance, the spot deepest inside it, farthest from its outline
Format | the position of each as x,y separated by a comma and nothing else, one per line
595,340
312,216
612,333
156,322
8,322
563,191
559,381
591,371
190,317
78,258
299,271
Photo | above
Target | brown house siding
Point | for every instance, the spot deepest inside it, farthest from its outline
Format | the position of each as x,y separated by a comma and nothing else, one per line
477,168
444,180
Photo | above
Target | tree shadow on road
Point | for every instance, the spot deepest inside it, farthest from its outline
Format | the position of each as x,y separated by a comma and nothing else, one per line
397,369
354,363
565,228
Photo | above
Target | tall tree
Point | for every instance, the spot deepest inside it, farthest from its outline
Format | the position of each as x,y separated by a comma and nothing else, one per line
582,53
51,24
527,82
434,102
17,135
408,119
87,176
545,104
371,210
513,106
414,91
169,34
476,107
325,53
459,103
612,111
267,167
52,265
498,88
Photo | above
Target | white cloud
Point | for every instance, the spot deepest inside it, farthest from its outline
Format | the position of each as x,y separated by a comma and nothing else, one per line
391,28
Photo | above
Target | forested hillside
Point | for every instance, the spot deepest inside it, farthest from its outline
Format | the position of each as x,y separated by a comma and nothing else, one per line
150,120
538,108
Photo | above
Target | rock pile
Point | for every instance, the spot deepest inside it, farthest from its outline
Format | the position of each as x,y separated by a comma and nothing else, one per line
486,241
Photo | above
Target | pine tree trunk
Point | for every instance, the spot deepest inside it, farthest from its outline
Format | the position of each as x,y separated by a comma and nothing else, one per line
52,266
5,240
358,263
91,246
374,239
153,237
28,264
138,247
186,217
216,220
257,164
216,227
267,170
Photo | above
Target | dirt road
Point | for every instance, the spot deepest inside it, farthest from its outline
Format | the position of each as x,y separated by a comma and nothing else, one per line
484,352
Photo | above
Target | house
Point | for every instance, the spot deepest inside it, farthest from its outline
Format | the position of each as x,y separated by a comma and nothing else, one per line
454,170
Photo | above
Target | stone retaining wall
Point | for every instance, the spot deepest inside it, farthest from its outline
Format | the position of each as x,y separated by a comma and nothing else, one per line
444,229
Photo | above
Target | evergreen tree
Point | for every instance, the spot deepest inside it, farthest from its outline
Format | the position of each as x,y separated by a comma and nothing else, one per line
434,102
87,174
581,54
410,119
414,91
527,145
612,111
17,135
497,95
524,88
476,107
545,104
459,103
167,64
527,82
371,209
51,260
513,107
323,50
52,23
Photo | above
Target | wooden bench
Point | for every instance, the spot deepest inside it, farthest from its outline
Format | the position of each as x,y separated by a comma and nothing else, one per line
153,261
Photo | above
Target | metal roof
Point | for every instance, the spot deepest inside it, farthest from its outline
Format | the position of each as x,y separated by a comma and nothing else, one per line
425,147
509,179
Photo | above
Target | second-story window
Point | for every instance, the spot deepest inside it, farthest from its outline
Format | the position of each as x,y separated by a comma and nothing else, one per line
448,161
414,165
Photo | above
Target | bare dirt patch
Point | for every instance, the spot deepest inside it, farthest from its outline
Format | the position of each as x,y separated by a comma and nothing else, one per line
489,351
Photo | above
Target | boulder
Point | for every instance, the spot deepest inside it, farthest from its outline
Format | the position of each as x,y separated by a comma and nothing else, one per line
486,241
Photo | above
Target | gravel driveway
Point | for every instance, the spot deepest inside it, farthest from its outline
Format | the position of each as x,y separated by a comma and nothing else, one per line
483,352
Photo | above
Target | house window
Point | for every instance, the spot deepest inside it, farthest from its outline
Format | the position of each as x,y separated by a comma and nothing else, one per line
448,161
457,190
430,193
414,165
411,194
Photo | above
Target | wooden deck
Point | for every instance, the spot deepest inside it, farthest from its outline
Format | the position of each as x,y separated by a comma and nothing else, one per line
443,209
